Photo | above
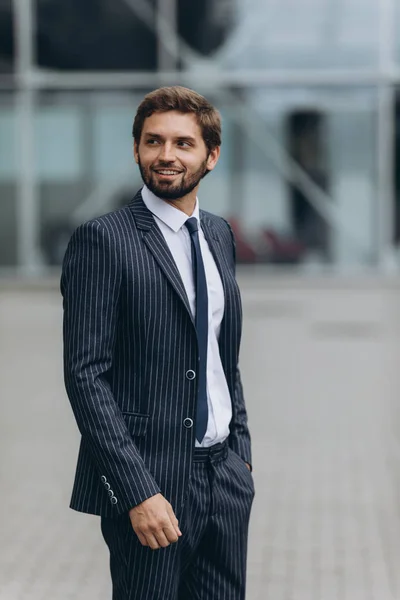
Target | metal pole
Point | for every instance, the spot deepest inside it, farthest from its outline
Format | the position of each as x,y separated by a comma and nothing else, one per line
167,12
385,142
27,201
385,196
212,78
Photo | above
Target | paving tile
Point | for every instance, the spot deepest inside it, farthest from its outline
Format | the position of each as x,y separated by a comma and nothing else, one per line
326,429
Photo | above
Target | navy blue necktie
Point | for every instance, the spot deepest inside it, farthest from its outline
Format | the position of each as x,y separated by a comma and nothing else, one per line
199,276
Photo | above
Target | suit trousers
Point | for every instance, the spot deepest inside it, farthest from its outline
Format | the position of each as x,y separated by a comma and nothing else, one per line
209,561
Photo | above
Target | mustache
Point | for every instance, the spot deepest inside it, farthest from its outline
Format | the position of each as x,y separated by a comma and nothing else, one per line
167,165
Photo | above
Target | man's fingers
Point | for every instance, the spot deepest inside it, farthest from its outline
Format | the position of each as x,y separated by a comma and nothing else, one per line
162,539
171,533
142,538
174,520
158,539
152,542
155,523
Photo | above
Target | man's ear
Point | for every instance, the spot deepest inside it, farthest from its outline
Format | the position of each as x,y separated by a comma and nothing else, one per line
136,152
213,157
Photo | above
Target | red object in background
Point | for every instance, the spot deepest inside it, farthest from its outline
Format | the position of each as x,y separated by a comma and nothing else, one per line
267,246
245,252
283,249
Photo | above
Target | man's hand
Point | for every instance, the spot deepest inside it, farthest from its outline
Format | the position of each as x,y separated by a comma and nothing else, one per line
155,523
248,466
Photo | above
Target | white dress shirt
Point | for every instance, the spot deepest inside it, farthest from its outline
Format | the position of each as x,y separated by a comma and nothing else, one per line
171,222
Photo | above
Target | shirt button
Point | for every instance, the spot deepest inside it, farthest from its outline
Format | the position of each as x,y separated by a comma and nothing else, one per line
190,374
188,423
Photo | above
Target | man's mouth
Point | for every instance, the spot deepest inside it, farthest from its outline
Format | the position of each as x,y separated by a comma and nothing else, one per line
167,172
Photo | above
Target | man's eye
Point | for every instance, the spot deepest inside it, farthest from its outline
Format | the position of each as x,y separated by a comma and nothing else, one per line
152,142
184,144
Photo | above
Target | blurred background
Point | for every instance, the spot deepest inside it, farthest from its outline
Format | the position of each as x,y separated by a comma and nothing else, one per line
309,92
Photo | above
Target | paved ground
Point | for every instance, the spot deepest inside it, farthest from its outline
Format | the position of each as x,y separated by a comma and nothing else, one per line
320,366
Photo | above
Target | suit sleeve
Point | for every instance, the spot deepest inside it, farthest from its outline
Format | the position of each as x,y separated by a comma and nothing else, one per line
239,438
90,285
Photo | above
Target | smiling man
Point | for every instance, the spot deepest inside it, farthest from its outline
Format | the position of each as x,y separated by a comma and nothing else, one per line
152,327
173,165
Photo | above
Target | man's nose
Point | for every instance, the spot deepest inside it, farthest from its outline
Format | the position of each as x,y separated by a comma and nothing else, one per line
167,153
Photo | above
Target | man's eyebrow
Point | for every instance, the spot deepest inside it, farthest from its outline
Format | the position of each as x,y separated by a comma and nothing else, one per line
187,138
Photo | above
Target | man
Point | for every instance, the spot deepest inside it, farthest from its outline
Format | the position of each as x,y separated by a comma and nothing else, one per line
152,326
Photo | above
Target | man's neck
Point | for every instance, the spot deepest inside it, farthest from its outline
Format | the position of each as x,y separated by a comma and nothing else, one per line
187,204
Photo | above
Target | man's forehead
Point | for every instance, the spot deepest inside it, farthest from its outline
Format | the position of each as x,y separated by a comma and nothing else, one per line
172,123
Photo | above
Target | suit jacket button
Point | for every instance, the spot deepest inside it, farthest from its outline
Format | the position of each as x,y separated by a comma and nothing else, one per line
110,493
188,423
103,479
107,486
190,374
114,500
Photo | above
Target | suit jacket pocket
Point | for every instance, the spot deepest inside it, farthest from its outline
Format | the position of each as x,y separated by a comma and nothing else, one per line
136,423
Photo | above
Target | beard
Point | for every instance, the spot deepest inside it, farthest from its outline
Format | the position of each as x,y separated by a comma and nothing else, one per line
169,190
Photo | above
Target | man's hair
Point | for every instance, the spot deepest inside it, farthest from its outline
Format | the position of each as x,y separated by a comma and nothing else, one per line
182,100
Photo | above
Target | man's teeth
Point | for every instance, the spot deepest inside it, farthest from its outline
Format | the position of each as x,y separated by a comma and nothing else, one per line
168,172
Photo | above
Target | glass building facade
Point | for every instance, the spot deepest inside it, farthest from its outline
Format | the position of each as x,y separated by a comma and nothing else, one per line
307,90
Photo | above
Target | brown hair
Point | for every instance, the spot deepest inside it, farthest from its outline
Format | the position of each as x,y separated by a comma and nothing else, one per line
182,100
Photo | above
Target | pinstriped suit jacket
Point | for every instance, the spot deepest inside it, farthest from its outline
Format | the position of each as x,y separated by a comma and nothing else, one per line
129,340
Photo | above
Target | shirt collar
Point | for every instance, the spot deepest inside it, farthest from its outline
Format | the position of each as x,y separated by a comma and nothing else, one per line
171,216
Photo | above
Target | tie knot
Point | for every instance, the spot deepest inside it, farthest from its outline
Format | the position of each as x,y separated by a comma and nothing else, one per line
192,225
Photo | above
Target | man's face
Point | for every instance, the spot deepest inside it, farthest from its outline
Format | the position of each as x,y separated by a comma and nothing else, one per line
172,155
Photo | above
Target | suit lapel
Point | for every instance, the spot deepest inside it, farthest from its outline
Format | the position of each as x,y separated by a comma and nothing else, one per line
155,242
212,240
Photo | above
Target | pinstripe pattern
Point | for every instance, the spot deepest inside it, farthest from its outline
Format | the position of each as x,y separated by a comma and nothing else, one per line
209,560
129,339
